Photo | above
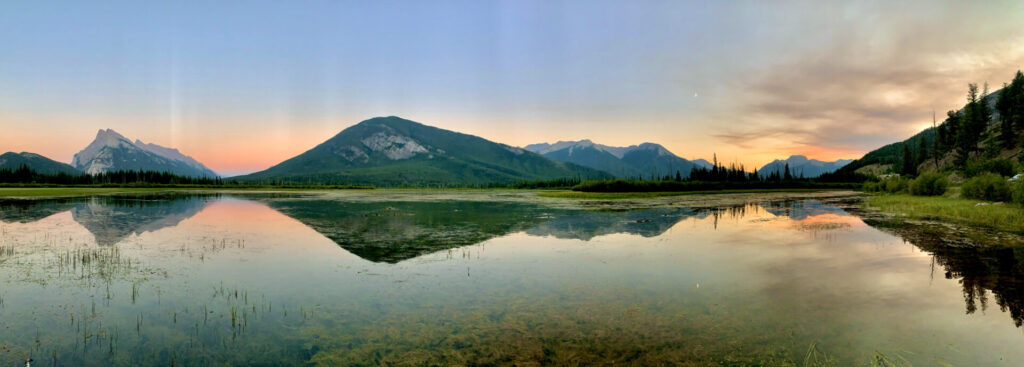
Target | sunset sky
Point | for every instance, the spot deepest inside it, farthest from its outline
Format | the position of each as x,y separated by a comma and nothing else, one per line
243,85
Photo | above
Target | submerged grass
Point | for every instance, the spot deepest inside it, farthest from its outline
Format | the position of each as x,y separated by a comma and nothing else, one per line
1004,217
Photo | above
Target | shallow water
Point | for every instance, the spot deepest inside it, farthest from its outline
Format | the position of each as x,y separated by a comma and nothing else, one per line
334,280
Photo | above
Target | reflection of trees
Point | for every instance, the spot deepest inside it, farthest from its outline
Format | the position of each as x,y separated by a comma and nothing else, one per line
989,268
981,270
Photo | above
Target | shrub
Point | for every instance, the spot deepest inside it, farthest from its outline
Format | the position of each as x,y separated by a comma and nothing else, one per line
1017,192
890,185
987,186
929,184
1001,166
895,184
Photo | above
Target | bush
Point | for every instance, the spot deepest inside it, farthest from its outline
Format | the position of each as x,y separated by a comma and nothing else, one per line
987,186
1001,166
890,185
1017,192
929,184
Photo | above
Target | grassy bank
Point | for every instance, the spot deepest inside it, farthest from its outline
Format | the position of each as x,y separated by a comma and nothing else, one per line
633,186
1005,217
635,195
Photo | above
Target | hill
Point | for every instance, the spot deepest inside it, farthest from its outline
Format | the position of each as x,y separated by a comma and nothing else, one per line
391,151
986,129
35,162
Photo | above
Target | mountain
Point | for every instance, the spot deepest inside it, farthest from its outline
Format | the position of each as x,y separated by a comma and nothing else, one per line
585,153
800,166
702,163
544,148
36,162
653,160
647,159
111,151
388,151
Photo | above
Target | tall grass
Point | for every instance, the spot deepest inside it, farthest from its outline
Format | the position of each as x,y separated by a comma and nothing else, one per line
1006,217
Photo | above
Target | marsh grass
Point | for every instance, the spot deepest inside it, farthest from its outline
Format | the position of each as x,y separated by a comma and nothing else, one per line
1004,217
634,195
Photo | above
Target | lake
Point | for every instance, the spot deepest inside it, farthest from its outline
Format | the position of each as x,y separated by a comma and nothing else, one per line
493,278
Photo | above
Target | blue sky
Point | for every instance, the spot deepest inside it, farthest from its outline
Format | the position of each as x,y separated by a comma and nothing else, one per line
243,85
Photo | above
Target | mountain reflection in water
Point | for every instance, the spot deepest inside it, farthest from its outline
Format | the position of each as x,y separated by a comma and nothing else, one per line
804,262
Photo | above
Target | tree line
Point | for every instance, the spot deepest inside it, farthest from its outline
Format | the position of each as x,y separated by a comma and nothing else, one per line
26,175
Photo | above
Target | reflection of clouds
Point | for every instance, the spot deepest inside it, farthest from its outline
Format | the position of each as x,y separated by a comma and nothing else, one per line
828,222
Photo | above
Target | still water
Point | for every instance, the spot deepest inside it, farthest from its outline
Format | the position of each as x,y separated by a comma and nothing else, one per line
382,279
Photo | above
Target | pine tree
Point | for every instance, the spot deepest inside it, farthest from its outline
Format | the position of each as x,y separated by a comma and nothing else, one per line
922,150
908,161
1011,111
788,176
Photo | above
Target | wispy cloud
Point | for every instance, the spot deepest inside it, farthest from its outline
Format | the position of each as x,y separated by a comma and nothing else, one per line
876,79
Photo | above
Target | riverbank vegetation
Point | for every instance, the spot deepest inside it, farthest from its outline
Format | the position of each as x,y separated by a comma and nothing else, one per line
966,170
1000,216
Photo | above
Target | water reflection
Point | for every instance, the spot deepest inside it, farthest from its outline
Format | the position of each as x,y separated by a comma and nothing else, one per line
111,219
981,270
300,280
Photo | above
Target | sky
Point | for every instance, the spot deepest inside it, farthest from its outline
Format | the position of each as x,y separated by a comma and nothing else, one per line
244,85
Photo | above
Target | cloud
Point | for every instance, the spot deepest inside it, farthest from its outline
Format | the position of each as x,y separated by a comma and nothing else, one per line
873,78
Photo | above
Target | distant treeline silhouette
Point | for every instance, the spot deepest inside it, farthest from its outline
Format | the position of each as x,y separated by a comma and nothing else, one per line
26,175
717,177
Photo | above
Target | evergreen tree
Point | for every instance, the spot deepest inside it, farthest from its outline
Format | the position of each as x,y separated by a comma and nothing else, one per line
788,176
908,161
922,150
1011,111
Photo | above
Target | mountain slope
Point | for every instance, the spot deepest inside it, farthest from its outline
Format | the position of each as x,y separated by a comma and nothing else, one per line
800,166
395,151
889,158
111,151
36,162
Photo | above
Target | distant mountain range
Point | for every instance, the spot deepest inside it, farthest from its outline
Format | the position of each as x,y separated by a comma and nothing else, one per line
800,166
644,160
36,162
111,151
391,151
394,151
